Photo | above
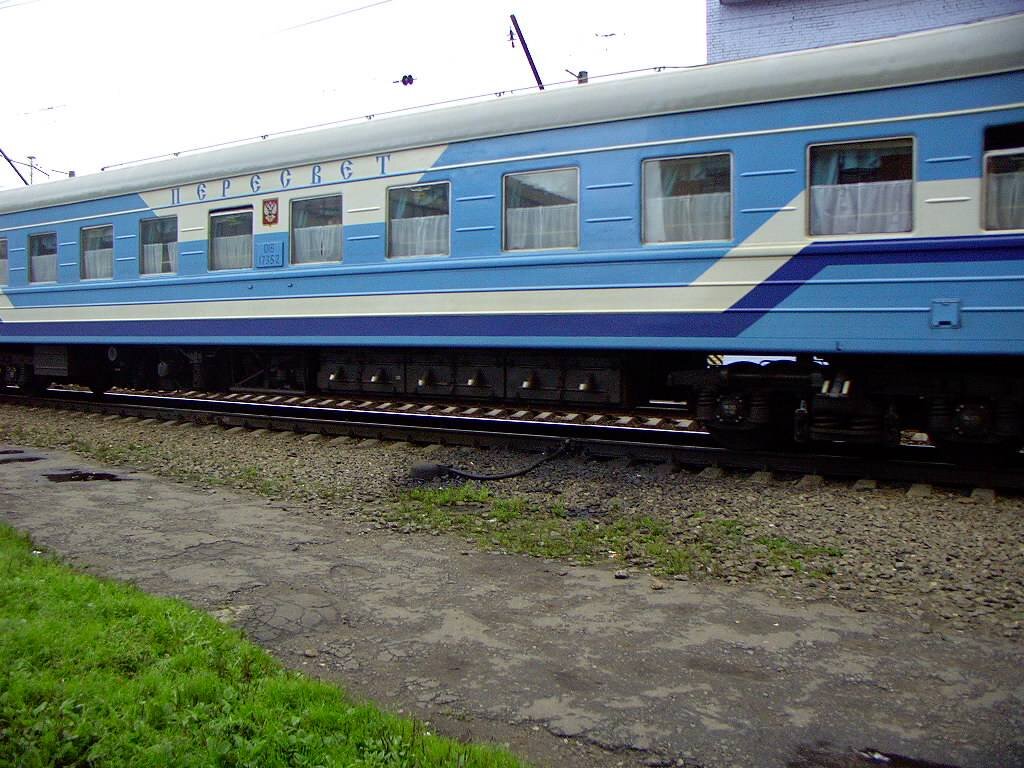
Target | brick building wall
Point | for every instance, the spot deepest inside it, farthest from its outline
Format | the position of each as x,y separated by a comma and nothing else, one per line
738,29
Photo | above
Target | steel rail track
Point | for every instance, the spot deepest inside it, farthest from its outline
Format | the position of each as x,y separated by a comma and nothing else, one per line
906,464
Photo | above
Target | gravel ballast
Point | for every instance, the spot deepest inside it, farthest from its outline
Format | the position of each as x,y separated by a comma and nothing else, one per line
949,560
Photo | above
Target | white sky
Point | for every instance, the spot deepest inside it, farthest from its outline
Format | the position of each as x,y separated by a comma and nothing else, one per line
89,83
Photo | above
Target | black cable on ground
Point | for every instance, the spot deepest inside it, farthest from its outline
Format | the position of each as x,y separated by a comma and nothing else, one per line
429,470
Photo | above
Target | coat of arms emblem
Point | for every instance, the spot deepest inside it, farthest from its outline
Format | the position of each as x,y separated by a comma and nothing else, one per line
270,212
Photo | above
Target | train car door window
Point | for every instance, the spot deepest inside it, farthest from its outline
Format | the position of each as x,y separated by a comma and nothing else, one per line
42,258
419,220
316,230
159,246
3,262
687,199
1004,176
862,187
542,210
231,239
97,253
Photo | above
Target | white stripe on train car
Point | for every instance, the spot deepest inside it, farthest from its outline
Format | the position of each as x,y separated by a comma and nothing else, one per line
727,281
364,193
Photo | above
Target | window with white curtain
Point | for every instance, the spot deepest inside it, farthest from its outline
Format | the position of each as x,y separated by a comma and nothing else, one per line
862,187
3,262
316,229
1004,189
687,199
418,220
42,258
231,239
542,210
159,244
97,253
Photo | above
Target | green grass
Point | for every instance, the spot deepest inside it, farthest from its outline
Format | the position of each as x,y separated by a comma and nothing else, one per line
699,546
95,673
781,551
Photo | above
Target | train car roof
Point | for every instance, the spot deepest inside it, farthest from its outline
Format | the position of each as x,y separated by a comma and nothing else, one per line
985,47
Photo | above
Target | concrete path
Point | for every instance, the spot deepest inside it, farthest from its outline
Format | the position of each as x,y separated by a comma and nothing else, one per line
570,666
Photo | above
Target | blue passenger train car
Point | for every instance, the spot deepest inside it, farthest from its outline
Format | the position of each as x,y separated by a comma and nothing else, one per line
859,209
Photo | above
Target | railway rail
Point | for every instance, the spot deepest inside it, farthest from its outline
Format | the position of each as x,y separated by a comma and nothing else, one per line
651,436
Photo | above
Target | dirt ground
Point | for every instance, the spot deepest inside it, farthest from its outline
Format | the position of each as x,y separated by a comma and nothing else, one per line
570,666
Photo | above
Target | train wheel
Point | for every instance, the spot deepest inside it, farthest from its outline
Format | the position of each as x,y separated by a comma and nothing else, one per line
978,432
746,419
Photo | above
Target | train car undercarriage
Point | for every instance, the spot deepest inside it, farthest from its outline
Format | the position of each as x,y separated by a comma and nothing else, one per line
966,404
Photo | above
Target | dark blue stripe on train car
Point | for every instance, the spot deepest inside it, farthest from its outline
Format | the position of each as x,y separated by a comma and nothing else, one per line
816,257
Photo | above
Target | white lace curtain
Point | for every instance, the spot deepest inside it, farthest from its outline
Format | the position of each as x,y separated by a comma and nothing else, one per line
42,263
97,253
158,258
43,268
687,217
1004,201
97,263
232,252
418,236
851,209
547,226
312,244
687,199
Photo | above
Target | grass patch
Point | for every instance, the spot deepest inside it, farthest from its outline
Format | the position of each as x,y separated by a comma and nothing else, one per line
785,552
257,479
515,524
694,546
95,673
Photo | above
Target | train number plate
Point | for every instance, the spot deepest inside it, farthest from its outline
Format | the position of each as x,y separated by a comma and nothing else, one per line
270,255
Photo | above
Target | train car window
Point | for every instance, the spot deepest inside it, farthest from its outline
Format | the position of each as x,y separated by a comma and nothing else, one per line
687,199
542,210
1004,176
3,262
97,253
1004,189
316,229
862,187
158,240
419,221
231,239
42,258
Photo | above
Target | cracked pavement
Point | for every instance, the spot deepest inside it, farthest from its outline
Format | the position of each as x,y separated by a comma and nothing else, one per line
568,665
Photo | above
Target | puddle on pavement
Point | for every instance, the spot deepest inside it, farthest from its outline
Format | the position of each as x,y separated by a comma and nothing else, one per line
17,459
78,476
9,451
813,757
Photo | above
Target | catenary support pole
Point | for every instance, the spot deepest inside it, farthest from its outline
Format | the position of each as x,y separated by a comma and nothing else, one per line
11,162
526,50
